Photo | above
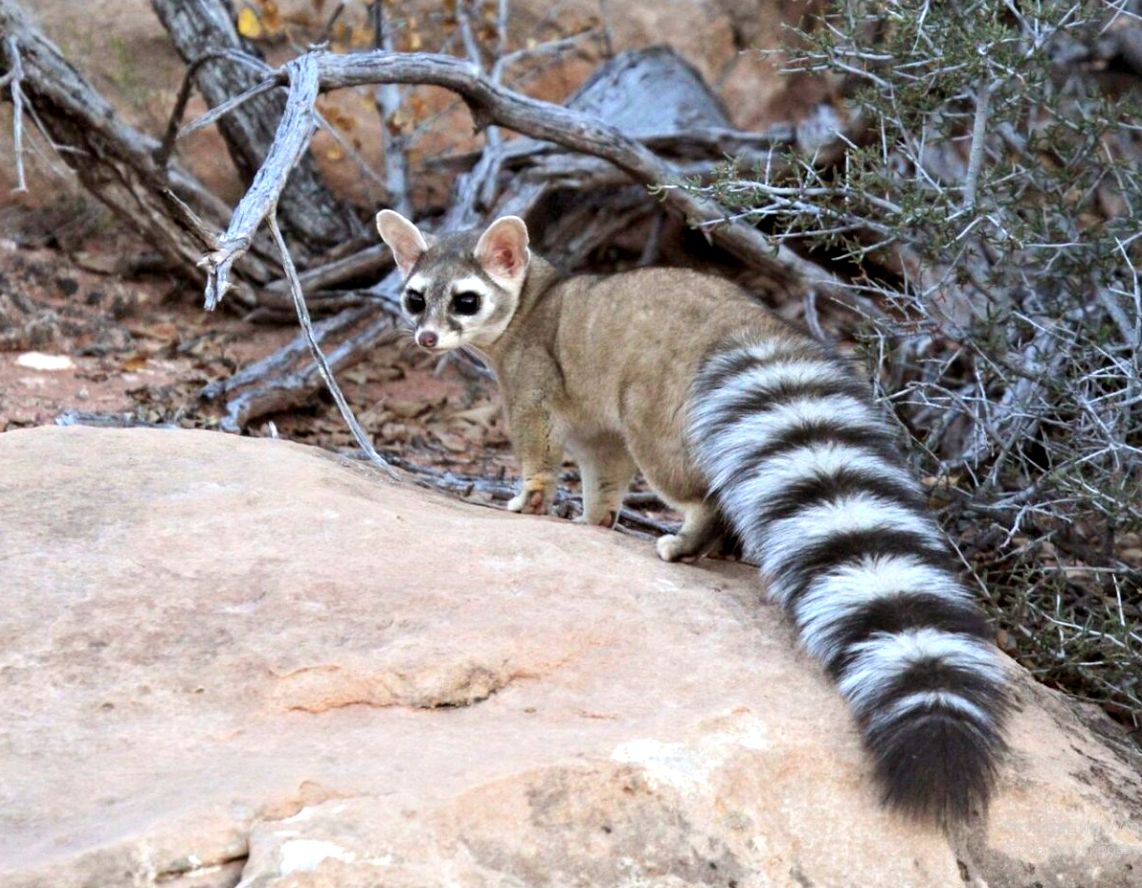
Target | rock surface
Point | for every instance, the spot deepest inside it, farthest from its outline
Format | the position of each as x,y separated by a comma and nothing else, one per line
228,659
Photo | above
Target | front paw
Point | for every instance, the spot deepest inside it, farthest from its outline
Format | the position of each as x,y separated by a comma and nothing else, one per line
536,498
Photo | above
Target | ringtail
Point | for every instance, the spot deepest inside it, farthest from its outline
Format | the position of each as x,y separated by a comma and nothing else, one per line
744,424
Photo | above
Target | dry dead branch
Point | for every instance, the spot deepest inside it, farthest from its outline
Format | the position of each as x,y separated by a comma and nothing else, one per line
489,103
13,80
387,98
315,349
294,132
225,66
113,161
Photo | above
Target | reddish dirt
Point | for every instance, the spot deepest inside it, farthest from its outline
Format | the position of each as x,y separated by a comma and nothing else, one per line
144,347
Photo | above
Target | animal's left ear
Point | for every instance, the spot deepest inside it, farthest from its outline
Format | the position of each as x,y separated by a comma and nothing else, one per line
502,251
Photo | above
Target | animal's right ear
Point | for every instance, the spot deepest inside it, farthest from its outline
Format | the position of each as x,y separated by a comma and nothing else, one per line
403,238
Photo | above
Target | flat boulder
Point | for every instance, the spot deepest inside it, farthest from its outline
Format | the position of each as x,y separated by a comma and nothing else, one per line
228,660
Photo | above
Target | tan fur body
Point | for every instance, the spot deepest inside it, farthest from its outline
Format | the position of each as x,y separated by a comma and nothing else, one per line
581,366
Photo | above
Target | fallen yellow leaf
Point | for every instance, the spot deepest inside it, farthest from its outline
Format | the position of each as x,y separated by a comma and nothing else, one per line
248,24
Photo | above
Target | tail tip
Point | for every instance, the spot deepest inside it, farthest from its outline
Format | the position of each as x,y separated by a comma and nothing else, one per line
937,770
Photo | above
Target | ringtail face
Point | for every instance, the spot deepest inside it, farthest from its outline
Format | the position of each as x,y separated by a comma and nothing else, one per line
460,289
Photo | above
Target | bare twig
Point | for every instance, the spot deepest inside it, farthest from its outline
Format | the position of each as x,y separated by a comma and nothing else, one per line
294,131
483,176
978,143
219,111
501,39
172,134
206,235
551,47
605,19
327,31
471,47
56,148
326,373
13,81
387,98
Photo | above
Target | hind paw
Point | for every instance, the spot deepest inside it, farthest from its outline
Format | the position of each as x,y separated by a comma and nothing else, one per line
606,520
675,547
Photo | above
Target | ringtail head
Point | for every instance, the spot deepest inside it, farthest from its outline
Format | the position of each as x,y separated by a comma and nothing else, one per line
460,289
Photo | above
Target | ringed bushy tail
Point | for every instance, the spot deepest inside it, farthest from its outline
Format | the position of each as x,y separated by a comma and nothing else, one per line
806,471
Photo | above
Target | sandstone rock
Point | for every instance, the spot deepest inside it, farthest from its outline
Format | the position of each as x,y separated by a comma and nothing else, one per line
224,658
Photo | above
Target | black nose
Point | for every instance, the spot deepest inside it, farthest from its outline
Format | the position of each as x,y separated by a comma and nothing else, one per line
427,338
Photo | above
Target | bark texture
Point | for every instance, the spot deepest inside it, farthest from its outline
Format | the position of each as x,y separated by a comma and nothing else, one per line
112,160
307,211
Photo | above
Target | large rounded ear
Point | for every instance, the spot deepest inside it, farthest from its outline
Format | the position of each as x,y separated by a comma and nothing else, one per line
403,238
502,251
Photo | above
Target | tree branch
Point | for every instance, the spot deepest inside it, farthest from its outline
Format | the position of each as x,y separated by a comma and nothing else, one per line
387,99
293,135
13,81
489,103
978,143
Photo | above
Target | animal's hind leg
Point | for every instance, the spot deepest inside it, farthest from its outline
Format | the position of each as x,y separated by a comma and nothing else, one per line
606,470
701,528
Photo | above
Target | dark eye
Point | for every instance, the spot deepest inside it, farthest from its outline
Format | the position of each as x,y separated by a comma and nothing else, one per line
466,303
414,302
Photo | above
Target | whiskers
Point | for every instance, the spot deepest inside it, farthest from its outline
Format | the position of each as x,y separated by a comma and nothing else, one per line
405,331
474,362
